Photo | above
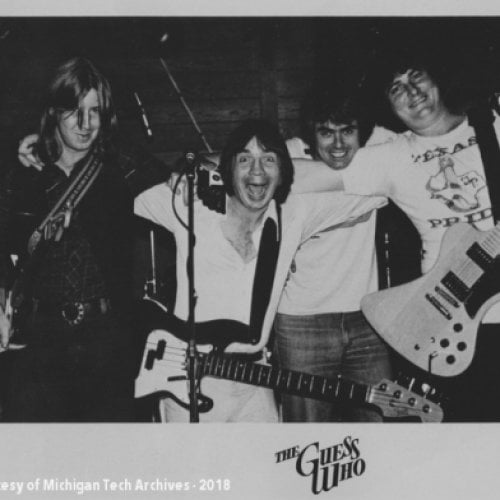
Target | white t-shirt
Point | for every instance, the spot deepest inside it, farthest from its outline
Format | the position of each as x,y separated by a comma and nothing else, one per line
438,181
335,268
223,282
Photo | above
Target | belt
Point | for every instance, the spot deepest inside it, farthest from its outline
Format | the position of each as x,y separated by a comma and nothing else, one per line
73,313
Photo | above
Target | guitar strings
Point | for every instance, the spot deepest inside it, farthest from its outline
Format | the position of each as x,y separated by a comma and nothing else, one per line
176,357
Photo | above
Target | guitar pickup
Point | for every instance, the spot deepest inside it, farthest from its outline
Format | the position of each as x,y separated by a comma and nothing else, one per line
154,354
456,286
479,255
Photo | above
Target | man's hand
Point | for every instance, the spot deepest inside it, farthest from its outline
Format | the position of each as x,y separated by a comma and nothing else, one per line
207,162
26,154
180,186
5,330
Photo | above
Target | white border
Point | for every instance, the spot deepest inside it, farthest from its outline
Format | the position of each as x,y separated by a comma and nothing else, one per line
249,8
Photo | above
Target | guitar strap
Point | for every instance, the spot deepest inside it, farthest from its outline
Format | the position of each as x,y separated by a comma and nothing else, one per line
481,119
265,270
66,203
70,197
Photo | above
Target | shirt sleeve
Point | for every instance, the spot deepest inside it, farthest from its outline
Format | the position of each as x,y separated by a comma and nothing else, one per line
373,169
297,148
155,204
334,210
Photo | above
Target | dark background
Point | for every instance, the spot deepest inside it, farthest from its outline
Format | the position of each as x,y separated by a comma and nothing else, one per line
228,69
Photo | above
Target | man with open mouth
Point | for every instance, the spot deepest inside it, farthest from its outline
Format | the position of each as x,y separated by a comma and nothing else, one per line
257,173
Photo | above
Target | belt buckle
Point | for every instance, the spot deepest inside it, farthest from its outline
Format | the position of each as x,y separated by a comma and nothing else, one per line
73,313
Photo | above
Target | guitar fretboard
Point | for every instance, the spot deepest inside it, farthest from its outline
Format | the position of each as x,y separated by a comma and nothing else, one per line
306,385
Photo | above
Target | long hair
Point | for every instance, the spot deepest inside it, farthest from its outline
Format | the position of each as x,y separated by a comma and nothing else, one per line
270,139
71,83
338,105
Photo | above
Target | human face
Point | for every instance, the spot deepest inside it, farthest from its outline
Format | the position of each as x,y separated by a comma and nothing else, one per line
336,143
415,99
256,175
77,129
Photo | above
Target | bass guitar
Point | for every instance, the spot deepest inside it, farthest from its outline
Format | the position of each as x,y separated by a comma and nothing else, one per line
163,373
433,320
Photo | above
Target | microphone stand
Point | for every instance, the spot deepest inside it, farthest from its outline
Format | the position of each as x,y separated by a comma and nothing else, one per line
192,358
150,289
185,105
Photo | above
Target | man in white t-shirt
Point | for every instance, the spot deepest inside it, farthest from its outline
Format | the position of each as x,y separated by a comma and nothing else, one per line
435,174
319,327
257,173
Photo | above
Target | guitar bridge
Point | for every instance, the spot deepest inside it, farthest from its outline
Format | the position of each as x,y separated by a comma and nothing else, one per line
446,296
435,302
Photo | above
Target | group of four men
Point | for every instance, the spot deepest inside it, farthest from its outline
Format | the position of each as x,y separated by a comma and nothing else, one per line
79,363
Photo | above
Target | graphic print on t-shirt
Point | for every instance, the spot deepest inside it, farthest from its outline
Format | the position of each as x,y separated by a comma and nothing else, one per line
459,192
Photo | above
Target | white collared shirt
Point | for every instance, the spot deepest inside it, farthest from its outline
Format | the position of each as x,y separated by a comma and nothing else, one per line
223,282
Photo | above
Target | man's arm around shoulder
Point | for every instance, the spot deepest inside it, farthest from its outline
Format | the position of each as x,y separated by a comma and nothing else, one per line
312,176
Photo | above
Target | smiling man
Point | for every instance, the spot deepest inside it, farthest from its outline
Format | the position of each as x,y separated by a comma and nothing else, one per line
257,173
319,328
435,174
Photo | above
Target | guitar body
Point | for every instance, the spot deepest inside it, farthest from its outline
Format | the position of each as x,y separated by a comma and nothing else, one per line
172,381
433,320
151,314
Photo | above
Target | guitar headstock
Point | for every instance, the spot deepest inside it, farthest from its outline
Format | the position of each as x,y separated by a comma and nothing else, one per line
396,401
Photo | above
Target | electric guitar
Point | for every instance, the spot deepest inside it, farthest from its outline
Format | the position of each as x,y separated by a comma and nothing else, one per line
164,364
16,340
51,228
433,320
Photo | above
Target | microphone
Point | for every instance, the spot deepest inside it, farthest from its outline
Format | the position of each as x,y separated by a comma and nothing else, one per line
189,162
145,121
190,157
209,185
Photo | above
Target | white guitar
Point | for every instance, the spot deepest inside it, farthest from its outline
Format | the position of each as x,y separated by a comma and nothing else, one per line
164,364
7,318
433,320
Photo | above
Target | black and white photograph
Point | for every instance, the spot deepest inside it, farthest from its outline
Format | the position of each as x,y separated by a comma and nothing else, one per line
249,251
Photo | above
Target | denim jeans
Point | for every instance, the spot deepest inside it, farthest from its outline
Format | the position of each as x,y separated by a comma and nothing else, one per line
329,345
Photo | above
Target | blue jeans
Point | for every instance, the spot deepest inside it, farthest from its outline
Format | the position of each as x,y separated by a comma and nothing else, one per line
329,345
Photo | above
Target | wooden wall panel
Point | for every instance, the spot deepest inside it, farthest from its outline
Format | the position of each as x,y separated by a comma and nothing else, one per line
227,69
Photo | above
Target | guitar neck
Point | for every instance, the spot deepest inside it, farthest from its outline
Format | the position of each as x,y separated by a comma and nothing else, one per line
291,382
